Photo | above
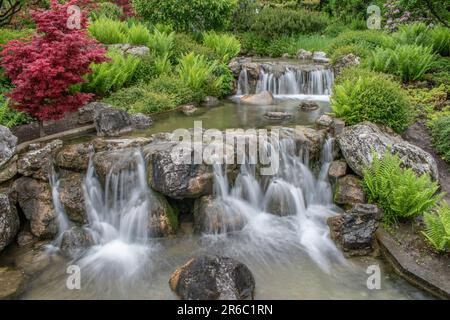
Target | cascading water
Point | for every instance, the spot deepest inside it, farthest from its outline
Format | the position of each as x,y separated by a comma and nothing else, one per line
281,213
289,82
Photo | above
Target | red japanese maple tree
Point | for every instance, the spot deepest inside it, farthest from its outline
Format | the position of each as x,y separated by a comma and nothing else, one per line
45,68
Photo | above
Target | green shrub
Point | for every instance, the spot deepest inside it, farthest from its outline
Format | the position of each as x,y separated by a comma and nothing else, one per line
440,131
161,43
10,117
173,86
112,75
187,15
108,10
399,192
361,95
368,39
108,31
153,102
185,44
437,228
409,62
146,69
226,46
244,14
195,71
138,34
271,23
163,64
439,39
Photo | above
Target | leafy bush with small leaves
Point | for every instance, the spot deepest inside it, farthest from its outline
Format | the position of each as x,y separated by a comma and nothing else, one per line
110,76
361,95
440,131
271,23
108,31
437,227
368,39
409,62
226,46
108,10
399,192
185,44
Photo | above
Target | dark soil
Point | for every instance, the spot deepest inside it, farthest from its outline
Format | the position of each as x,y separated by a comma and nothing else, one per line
418,135
30,131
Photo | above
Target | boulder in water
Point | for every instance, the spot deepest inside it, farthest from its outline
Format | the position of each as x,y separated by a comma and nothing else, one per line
213,278
355,230
86,114
214,216
308,105
140,121
262,98
358,143
111,122
74,157
35,199
188,109
74,240
34,258
71,196
277,115
321,57
12,283
337,169
210,101
349,190
303,54
9,221
163,221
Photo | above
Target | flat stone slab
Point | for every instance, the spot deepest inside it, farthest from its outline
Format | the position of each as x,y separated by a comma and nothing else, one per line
426,271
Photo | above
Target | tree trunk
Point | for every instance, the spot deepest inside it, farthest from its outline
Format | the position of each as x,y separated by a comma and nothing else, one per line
41,128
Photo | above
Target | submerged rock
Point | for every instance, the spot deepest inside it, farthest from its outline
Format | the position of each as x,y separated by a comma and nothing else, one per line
359,141
214,216
210,101
12,283
112,122
308,105
262,98
9,221
140,121
324,122
276,115
188,109
71,196
35,199
355,230
349,191
38,162
33,259
8,144
213,278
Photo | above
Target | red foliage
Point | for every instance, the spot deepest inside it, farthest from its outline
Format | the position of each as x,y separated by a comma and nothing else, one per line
45,68
126,7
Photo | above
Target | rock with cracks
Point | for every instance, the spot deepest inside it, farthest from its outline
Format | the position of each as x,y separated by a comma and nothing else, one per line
213,278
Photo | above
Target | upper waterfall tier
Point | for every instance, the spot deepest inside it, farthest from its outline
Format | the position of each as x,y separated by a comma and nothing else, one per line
290,77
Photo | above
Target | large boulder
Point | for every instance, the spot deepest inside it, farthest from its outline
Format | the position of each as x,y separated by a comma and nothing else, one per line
176,180
12,283
349,190
212,215
9,221
337,169
359,141
140,121
74,157
9,169
8,144
277,115
261,99
71,196
38,162
35,199
355,230
75,240
213,278
86,114
321,57
306,140
112,162
111,122
163,220
303,54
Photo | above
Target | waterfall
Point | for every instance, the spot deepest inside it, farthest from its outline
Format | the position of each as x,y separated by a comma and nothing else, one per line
118,216
285,211
289,82
61,216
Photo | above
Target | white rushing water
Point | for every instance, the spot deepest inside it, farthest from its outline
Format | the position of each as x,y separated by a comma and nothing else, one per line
290,82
